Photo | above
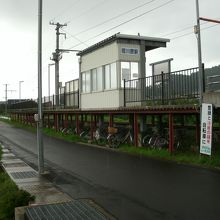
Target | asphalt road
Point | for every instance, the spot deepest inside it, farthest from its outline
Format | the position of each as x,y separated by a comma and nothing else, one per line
128,187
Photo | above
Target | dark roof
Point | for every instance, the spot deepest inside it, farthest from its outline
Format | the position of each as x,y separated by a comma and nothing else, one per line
150,42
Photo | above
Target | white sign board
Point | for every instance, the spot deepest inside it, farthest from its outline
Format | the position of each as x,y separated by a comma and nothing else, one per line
206,129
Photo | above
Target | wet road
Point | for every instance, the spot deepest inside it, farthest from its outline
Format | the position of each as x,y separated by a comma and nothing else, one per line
128,187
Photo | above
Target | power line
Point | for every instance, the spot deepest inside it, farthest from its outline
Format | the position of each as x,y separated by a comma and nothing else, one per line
94,6
193,32
125,22
66,9
76,38
177,31
115,17
183,29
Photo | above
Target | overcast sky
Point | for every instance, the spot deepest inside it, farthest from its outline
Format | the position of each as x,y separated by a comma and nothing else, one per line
173,19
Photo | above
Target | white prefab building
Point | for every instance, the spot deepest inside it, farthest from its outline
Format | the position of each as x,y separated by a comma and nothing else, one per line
105,65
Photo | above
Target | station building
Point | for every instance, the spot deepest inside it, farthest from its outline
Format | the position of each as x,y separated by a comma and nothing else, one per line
105,65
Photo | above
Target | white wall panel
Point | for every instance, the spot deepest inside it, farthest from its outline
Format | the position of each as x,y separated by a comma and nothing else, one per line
101,100
100,57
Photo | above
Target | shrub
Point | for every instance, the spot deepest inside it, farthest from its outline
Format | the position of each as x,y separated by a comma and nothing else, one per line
11,197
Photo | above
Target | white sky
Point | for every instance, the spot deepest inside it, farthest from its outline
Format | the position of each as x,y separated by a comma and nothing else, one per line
18,38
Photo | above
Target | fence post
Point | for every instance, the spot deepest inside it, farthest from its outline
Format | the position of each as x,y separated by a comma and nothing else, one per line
135,129
162,95
64,100
78,98
153,85
53,101
124,95
171,133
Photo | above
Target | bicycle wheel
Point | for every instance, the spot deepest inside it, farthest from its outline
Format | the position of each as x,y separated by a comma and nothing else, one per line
113,141
145,141
162,143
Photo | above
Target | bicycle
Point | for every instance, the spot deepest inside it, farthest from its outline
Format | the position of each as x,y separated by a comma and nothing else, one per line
119,136
155,141
101,135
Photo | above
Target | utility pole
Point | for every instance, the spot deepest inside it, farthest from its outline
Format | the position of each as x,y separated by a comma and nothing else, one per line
6,97
49,65
56,57
198,32
39,118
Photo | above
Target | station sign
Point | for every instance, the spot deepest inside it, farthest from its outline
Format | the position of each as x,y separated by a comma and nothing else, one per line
206,129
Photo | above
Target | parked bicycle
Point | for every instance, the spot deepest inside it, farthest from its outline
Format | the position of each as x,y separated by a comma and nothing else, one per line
119,136
155,141
101,135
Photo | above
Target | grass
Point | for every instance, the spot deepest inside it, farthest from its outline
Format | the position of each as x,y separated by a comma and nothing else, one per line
11,196
0,152
46,131
188,157
60,135
180,157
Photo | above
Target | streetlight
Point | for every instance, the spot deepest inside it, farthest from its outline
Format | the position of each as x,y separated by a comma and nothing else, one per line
49,65
20,89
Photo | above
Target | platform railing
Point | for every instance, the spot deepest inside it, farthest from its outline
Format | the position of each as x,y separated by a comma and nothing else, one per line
165,87
65,100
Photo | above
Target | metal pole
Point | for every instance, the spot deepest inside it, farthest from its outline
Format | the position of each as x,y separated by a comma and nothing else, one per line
40,112
199,54
6,98
49,65
49,81
20,89
57,65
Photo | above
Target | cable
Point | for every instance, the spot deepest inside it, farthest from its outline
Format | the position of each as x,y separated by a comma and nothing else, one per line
113,18
76,38
183,29
66,9
174,32
193,33
125,22
95,6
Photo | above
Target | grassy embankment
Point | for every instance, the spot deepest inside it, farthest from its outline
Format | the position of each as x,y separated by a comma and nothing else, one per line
186,157
10,196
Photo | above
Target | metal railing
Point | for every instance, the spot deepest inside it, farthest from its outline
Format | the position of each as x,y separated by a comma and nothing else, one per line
165,87
65,100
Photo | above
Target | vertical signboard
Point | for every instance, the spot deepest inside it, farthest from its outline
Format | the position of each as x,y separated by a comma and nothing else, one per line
206,129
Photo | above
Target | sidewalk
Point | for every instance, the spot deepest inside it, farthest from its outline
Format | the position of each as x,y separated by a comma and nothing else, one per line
58,204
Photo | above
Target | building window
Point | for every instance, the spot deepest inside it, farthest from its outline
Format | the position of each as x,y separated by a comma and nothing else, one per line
94,80
129,71
110,76
99,79
130,51
107,77
83,82
86,81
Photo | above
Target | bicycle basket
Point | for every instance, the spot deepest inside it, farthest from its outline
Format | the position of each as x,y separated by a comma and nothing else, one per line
112,130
